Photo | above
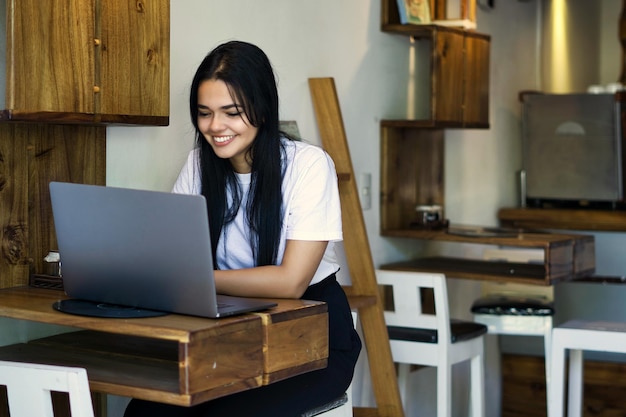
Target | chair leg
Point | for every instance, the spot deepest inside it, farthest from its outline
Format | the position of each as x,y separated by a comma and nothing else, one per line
557,378
444,390
575,391
404,371
477,386
547,340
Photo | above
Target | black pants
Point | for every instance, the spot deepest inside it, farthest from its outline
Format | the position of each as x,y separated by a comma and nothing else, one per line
293,396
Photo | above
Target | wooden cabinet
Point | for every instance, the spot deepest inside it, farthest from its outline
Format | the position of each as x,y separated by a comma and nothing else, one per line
87,61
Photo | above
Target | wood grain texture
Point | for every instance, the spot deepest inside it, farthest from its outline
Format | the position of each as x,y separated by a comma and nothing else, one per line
32,156
524,387
476,81
14,258
59,153
569,219
76,61
134,57
412,170
289,344
50,56
447,74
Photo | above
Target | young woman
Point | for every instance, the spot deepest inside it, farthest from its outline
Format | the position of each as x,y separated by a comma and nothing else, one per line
274,216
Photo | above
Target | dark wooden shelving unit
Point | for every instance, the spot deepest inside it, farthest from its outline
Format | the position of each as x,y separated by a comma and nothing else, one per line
412,162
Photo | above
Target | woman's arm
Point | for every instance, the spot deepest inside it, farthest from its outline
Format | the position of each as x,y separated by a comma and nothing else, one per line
290,279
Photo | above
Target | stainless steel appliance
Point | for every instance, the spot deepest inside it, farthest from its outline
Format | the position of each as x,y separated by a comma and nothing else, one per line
573,149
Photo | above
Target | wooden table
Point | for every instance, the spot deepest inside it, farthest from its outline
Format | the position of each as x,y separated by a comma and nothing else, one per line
174,359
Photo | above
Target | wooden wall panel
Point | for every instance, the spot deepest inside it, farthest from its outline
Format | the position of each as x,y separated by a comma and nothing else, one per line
32,155
524,388
13,208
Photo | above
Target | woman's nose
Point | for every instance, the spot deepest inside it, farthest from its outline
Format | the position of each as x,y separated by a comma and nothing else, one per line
216,124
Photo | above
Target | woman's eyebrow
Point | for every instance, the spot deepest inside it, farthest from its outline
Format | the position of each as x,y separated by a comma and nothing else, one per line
226,107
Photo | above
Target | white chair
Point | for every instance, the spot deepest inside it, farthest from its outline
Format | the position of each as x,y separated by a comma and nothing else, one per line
577,336
421,338
29,385
518,316
342,406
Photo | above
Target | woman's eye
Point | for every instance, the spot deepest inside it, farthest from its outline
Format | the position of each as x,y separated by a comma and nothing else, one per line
234,114
201,114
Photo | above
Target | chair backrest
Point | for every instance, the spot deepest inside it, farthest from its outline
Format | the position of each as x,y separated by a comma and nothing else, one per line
29,385
407,301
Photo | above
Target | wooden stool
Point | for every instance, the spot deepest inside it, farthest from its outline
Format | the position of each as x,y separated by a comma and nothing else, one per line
578,335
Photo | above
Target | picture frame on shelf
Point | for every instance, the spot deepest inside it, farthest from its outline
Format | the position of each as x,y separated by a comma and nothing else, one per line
415,12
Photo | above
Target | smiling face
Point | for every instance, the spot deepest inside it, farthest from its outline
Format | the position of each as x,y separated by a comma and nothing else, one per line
224,125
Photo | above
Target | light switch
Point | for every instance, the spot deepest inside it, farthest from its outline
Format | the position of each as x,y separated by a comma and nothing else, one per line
365,190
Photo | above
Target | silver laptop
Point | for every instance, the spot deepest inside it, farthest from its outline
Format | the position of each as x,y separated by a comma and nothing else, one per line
134,253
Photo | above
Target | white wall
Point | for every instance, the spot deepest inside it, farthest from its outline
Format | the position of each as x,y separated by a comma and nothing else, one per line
342,39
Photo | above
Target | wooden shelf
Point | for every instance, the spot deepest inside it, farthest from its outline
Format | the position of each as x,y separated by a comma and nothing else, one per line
390,19
506,237
458,90
8,115
431,124
425,31
475,269
566,257
457,93
567,219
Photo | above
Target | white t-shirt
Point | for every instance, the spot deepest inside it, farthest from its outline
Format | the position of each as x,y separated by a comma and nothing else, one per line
310,203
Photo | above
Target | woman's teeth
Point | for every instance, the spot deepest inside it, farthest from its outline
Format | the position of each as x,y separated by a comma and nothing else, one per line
222,139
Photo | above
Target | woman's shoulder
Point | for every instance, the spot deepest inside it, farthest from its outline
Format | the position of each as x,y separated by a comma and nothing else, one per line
193,154
300,150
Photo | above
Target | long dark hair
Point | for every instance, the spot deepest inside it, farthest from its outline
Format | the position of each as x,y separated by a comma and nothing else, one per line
247,72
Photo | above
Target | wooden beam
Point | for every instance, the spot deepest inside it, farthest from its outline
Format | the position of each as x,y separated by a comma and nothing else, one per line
358,255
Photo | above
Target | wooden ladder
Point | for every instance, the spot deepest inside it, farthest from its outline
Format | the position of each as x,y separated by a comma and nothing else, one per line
363,293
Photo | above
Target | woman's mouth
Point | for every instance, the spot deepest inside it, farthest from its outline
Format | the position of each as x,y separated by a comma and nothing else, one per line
222,140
